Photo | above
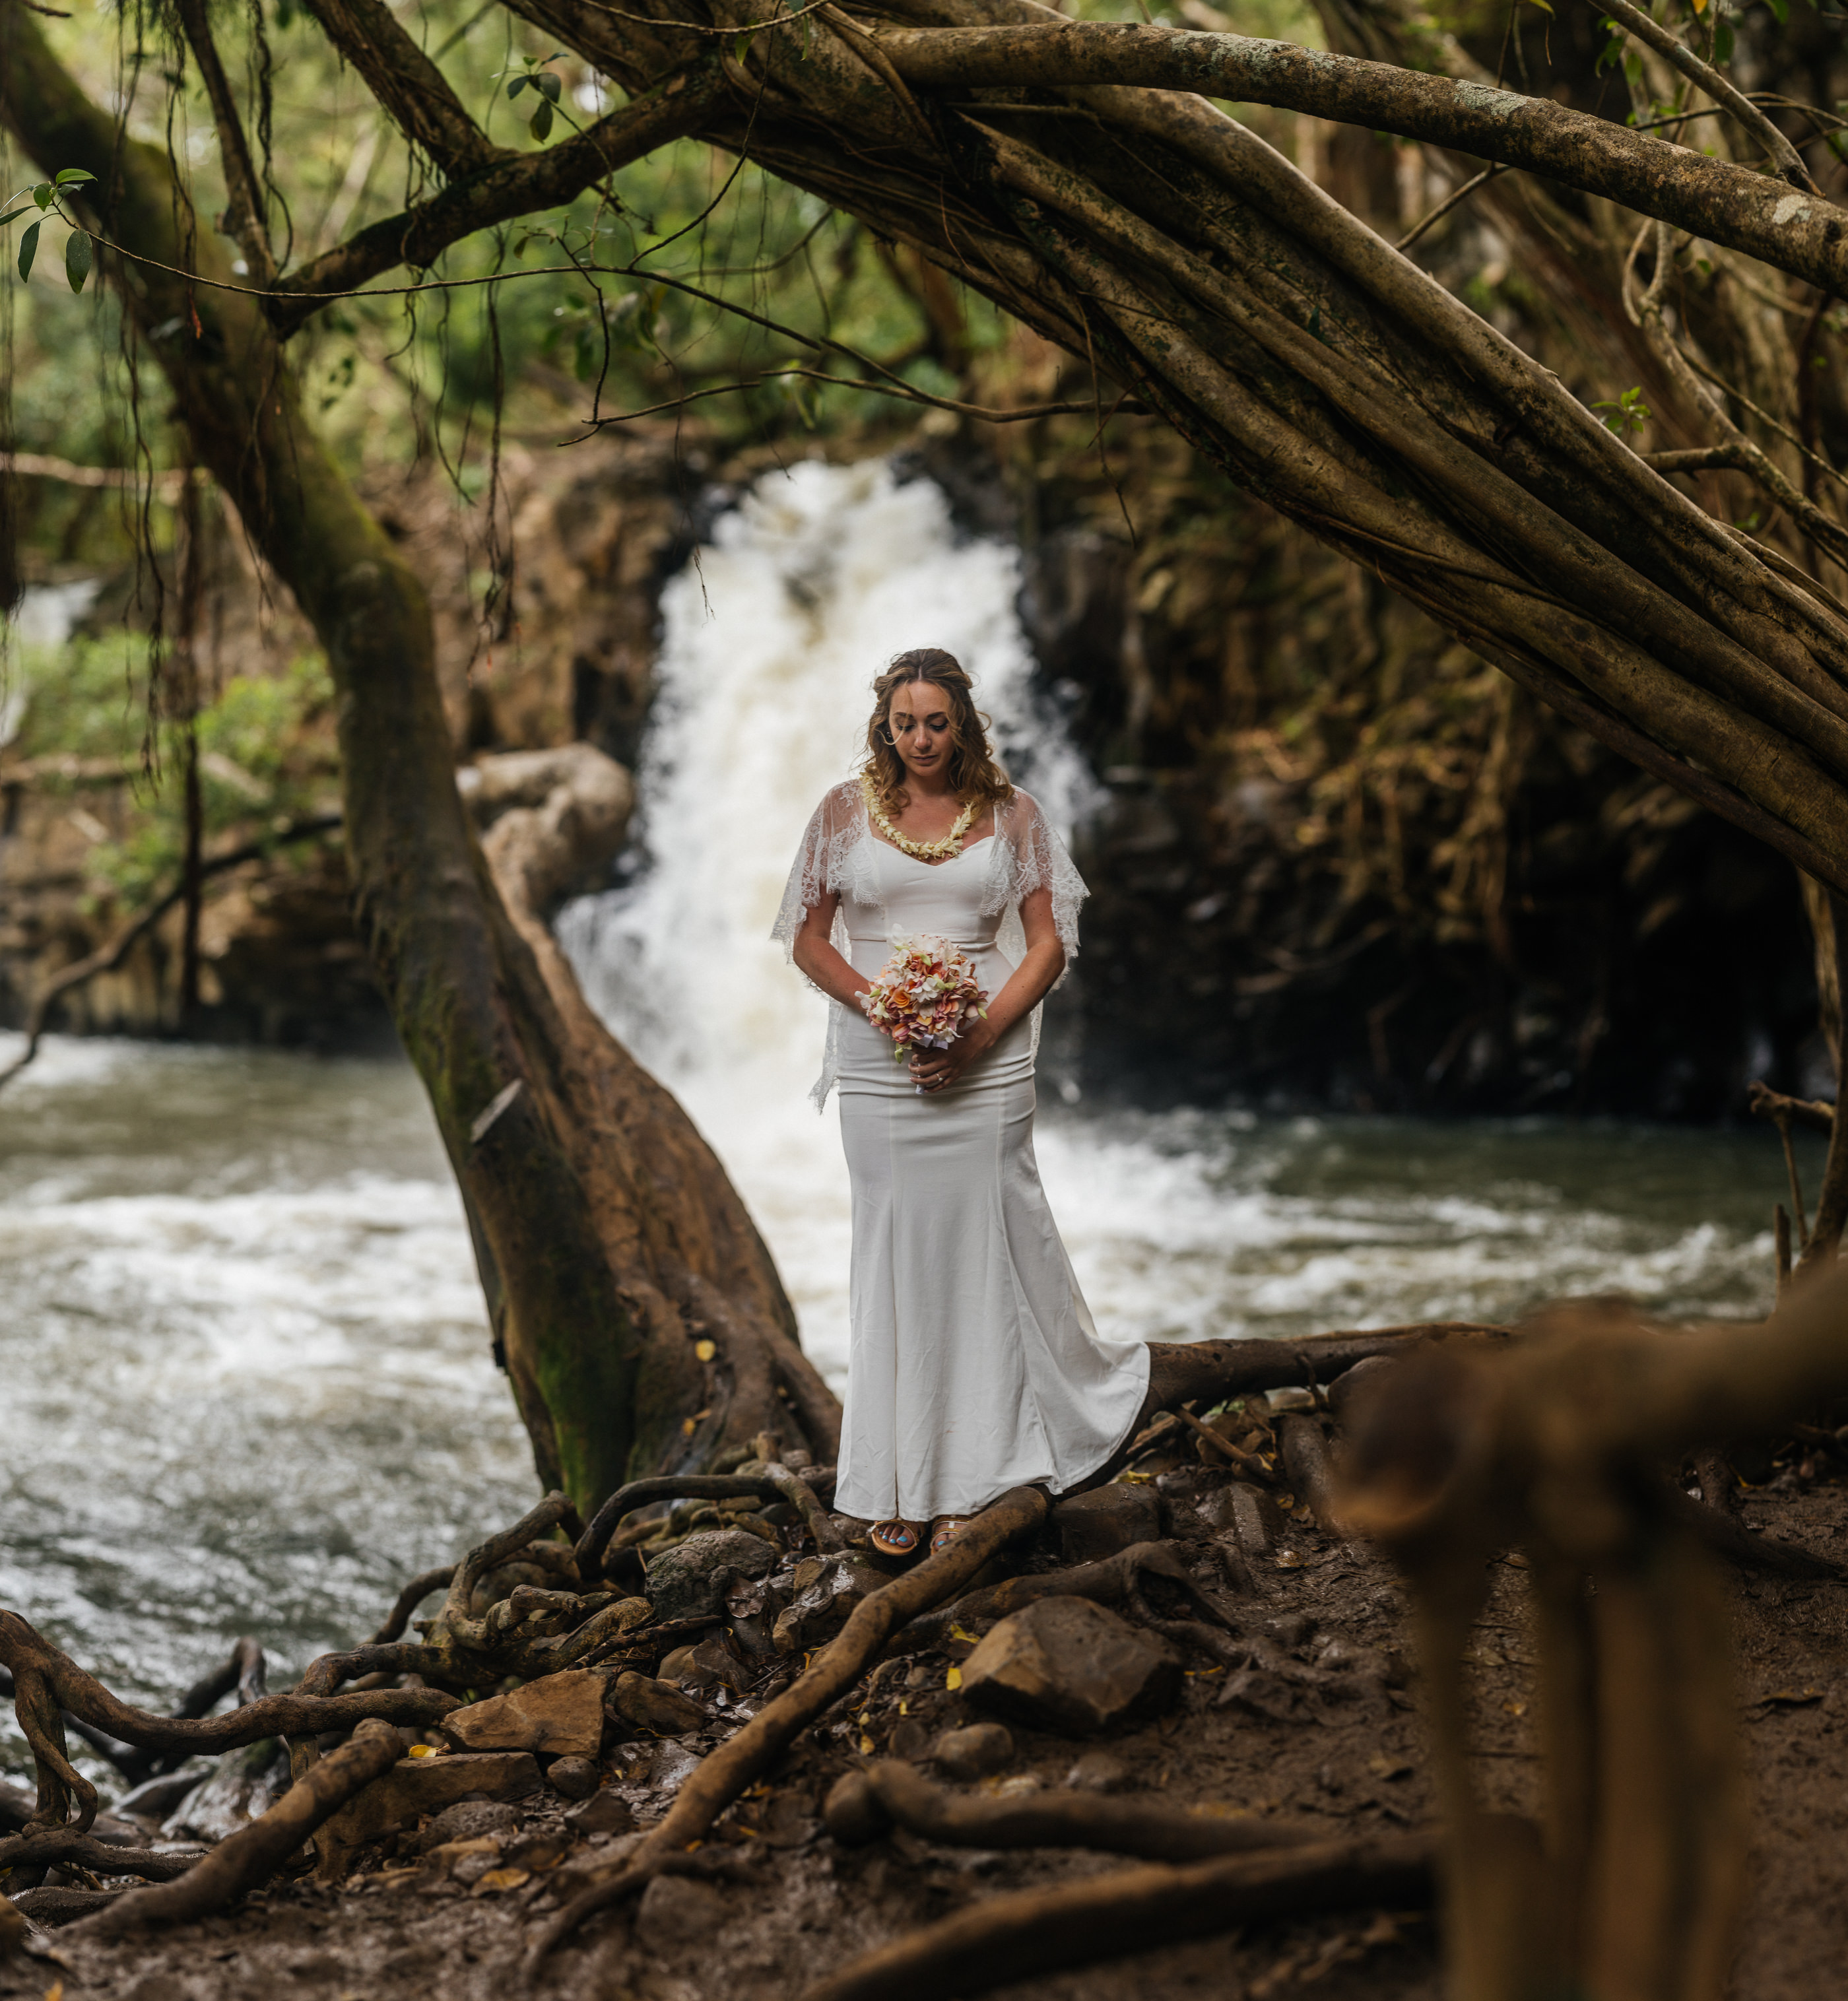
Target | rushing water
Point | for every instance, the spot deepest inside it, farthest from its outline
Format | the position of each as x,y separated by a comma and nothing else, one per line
245,1383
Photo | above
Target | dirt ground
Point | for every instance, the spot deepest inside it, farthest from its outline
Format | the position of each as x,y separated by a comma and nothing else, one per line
1324,1727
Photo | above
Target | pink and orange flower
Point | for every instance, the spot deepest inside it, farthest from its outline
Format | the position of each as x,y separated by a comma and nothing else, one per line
924,995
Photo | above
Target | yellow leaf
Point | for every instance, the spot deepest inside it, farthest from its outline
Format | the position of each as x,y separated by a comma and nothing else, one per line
963,1633
954,1679
867,1746
497,1879
705,1350
425,1751
687,1428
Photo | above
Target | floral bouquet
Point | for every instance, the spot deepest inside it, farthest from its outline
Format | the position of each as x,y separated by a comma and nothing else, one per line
923,996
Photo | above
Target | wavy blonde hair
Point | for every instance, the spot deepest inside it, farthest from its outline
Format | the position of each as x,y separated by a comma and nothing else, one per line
974,772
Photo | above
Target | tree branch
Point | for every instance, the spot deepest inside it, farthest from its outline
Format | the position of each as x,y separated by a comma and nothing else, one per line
515,185
409,85
1715,200
244,219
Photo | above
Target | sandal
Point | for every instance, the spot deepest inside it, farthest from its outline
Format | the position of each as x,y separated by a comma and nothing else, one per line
943,1532
896,1538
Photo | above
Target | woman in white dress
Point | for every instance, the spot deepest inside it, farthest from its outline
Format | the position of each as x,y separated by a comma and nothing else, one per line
975,1366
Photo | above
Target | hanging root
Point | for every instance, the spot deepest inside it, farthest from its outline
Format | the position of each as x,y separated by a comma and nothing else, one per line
723,1775
1033,1931
254,1853
864,1804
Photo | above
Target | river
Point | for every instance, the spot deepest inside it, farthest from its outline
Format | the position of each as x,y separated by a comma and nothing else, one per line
244,1382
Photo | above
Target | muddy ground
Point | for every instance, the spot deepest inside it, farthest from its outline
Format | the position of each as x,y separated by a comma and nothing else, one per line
1329,1733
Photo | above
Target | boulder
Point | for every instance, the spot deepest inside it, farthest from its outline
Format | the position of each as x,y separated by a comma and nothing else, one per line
604,1812
975,1753
1067,1665
688,1581
676,1913
652,1705
1108,1518
415,1786
560,1715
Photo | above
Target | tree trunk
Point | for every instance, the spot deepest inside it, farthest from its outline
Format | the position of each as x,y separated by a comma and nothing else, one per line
607,1235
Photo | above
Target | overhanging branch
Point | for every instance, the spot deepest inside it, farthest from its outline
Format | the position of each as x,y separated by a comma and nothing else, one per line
1803,233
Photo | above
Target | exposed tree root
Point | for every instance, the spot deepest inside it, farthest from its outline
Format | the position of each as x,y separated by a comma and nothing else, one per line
774,1483
1728,1536
62,1847
863,1805
1102,1917
47,1683
722,1777
254,1853
413,1595
1305,1453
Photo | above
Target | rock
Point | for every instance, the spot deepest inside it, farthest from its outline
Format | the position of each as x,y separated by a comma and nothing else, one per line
676,1912
1108,1518
575,1777
976,1751
604,1812
1366,1374
720,1667
560,1714
910,1740
688,1581
415,1786
154,1799
465,1860
1067,1665
1252,1517
652,1705
678,1667
1097,1772
467,1820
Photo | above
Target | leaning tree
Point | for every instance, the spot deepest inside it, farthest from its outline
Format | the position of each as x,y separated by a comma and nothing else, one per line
1076,174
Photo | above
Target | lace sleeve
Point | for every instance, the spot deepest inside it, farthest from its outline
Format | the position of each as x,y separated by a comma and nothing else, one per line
1039,862
820,867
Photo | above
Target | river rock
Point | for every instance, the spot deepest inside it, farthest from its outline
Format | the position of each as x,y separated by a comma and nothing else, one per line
688,1581
415,1786
1108,1518
1067,1665
560,1715
976,1751
652,1705
1253,1518
575,1777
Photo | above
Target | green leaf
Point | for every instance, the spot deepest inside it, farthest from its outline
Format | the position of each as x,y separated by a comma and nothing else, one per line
42,194
549,84
73,177
13,215
28,249
1781,9
541,127
518,85
78,257
1723,41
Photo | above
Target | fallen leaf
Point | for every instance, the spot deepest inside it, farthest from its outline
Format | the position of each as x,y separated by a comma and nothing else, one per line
963,1633
425,1751
1383,1767
705,1350
1289,1560
497,1879
954,1679
867,1746
1514,1708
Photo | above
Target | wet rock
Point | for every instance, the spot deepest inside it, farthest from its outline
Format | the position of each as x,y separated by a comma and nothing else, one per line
676,1913
1365,1375
415,1786
1098,1772
154,1799
575,1777
247,1783
827,1590
689,1580
652,1705
468,1820
561,1715
910,1740
1108,1518
604,1812
1248,1514
976,1751
1067,1665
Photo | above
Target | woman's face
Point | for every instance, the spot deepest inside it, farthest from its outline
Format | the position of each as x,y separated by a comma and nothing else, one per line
922,726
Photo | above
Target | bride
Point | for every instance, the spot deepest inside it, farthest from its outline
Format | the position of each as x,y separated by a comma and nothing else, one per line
975,1366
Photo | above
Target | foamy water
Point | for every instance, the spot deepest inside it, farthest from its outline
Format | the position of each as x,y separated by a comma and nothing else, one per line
244,1376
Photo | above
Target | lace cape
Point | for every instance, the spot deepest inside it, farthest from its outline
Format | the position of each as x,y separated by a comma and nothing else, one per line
835,859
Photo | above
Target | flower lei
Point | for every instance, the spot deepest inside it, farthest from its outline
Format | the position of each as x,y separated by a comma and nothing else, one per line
922,851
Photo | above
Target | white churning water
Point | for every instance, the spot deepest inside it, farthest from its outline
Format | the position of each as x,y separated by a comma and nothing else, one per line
244,1384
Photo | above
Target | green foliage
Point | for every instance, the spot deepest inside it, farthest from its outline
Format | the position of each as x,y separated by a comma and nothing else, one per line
1628,413
264,750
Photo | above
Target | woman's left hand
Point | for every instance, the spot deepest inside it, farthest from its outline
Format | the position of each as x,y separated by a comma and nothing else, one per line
942,1068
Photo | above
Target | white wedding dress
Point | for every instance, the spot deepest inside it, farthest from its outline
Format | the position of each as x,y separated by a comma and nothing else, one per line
975,1365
